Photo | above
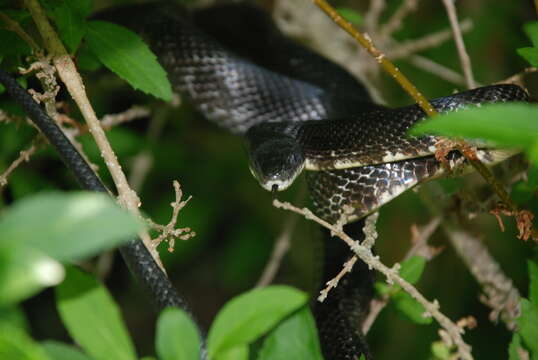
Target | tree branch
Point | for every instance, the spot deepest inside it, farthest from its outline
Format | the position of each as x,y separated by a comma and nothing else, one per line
71,78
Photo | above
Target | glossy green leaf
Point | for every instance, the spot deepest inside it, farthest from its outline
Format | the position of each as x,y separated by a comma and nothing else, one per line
92,318
14,316
510,124
16,344
410,308
530,54
440,350
250,315
69,226
528,324
515,344
412,268
531,29
24,272
177,336
236,353
124,52
86,59
294,338
382,288
69,17
60,351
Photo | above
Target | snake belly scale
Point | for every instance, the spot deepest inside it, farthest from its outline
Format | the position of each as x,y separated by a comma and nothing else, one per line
296,111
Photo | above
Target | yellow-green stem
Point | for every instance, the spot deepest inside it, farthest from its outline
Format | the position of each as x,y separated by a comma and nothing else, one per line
365,42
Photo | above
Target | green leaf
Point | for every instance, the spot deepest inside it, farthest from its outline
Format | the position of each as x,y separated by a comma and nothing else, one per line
68,227
351,15
382,288
16,344
294,338
410,308
533,286
412,268
14,316
60,351
92,318
235,353
531,29
515,344
530,54
440,350
86,59
25,271
71,23
528,325
177,336
124,52
250,315
509,124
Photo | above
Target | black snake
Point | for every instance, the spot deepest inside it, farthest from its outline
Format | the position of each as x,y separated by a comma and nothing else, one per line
296,111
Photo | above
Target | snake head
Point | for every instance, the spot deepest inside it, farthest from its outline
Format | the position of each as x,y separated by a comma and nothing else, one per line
274,161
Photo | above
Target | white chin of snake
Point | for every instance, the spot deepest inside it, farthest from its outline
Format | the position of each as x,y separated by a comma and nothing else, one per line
277,185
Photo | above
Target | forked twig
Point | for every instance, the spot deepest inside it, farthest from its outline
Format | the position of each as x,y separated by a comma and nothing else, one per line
460,45
366,255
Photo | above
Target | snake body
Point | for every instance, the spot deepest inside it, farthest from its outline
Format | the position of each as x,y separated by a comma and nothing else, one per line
297,111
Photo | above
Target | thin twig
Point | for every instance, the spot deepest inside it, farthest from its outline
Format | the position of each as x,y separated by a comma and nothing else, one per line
14,26
333,283
282,245
71,78
481,264
366,43
143,161
169,232
500,294
370,235
133,113
420,246
437,69
518,78
404,49
23,156
460,45
396,20
366,255
371,19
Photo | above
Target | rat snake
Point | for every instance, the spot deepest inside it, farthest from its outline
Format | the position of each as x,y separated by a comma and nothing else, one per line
296,110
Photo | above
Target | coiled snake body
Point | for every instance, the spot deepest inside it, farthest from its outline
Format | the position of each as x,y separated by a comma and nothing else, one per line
297,111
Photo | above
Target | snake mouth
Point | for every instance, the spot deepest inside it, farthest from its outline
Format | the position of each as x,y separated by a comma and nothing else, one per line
277,182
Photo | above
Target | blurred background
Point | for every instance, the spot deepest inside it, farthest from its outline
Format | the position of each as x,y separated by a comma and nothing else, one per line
235,223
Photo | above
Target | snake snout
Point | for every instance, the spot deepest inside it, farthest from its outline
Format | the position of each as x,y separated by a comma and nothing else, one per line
276,163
